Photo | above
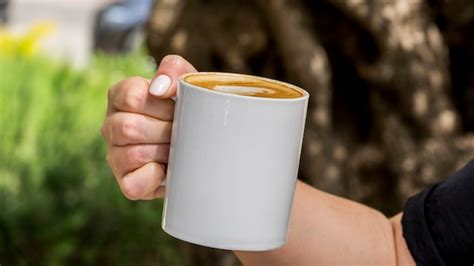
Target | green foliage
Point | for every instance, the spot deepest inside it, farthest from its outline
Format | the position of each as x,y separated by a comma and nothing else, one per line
59,203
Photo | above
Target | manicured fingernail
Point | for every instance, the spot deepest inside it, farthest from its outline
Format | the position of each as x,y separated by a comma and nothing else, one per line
160,85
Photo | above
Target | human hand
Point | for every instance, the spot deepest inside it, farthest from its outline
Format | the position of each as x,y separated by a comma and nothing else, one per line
137,129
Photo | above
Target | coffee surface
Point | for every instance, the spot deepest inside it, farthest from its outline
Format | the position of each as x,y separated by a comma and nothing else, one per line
243,85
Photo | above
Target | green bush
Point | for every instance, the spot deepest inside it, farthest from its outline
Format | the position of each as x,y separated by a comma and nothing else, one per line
59,204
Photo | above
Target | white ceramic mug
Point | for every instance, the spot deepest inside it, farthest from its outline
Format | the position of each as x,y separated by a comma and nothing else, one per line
233,167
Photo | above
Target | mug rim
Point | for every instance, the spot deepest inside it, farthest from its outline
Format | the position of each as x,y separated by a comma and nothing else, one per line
303,97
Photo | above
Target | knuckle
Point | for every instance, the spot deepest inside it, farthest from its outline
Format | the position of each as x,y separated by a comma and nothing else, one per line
135,156
132,100
131,96
128,128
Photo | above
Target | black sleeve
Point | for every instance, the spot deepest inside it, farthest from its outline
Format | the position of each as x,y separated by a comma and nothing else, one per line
438,223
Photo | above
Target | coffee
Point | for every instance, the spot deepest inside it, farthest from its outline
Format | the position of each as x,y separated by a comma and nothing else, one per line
243,85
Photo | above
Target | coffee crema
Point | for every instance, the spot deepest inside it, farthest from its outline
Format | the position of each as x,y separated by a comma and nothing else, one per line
243,85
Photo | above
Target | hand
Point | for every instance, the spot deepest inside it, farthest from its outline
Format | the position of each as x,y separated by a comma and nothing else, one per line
137,129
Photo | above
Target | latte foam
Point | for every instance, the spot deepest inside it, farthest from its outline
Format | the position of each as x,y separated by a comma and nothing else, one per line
243,85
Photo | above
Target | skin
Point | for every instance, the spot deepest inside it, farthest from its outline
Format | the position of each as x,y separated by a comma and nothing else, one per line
324,229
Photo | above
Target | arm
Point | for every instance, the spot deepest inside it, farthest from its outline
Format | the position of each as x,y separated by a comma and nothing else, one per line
325,229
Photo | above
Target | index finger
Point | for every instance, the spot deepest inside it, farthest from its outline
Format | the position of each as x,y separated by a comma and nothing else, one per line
131,95
165,82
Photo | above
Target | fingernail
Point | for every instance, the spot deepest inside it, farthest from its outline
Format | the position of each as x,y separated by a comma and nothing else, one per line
160,85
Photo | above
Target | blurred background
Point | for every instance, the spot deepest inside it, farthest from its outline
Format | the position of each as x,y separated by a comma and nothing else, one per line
391,109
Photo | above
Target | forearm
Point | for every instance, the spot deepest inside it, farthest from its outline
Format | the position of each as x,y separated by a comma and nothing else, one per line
325,229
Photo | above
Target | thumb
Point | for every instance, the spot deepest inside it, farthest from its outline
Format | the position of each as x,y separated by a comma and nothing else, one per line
164,84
